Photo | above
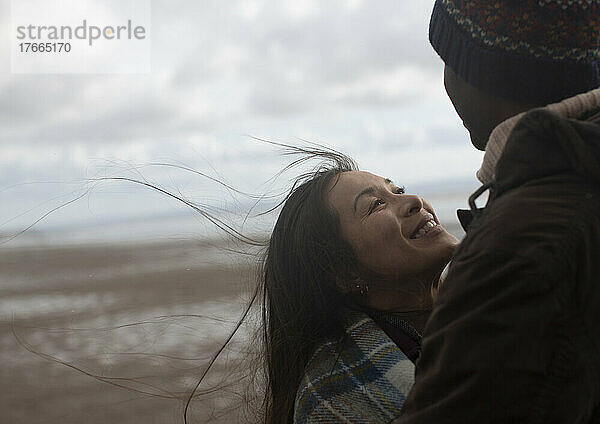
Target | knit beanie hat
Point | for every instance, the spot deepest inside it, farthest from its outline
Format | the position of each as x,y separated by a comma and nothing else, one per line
529,51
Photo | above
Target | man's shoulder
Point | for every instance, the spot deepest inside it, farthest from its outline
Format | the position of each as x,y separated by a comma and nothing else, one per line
544,143
545,184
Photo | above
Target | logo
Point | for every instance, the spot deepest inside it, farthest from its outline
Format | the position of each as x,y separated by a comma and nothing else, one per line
82,32
72,36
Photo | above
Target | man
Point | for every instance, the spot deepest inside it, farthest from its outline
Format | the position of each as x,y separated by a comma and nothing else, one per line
515,333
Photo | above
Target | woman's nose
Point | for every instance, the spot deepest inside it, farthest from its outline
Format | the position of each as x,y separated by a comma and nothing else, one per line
410,204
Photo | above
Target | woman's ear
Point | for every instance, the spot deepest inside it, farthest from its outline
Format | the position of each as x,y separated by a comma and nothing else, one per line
342,285
354,286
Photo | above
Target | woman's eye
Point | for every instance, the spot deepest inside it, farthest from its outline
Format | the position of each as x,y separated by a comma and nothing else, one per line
375,204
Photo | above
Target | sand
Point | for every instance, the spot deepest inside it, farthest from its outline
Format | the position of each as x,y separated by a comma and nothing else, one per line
145,316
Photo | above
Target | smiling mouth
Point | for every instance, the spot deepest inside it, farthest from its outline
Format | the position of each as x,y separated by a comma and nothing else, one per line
424,229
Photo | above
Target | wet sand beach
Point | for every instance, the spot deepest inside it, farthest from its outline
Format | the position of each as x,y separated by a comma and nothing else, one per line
145,316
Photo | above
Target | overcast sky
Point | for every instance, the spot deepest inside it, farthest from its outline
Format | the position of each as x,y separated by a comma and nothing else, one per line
359,76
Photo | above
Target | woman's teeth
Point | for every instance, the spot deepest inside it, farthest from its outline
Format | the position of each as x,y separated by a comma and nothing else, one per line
425,229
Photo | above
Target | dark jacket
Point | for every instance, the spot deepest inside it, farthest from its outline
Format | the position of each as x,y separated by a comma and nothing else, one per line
515,333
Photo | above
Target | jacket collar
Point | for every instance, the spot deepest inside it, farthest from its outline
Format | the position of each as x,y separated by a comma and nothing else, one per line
570,108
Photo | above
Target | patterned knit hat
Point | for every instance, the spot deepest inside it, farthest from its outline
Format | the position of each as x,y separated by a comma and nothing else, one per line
530,51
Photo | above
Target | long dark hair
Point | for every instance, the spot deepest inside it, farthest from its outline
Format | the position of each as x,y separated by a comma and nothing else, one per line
305,263
302,304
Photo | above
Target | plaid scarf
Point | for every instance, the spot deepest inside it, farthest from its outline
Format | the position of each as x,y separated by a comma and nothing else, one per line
362,378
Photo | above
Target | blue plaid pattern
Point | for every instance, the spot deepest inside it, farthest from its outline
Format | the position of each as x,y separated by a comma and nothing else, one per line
363,378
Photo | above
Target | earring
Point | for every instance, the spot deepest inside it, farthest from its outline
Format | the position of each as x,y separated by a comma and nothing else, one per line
363,288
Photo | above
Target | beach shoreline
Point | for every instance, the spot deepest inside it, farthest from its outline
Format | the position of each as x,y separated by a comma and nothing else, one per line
153,313
143,313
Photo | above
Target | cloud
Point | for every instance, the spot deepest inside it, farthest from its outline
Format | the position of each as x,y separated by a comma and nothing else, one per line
4,39
293,64
214,64
37,99
359,76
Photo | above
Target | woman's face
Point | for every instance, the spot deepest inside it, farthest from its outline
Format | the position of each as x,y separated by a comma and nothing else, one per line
393,234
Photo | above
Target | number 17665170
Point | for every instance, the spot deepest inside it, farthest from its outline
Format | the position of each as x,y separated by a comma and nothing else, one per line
45,47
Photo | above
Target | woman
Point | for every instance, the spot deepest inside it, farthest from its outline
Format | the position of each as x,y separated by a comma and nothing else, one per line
348,279
347,287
